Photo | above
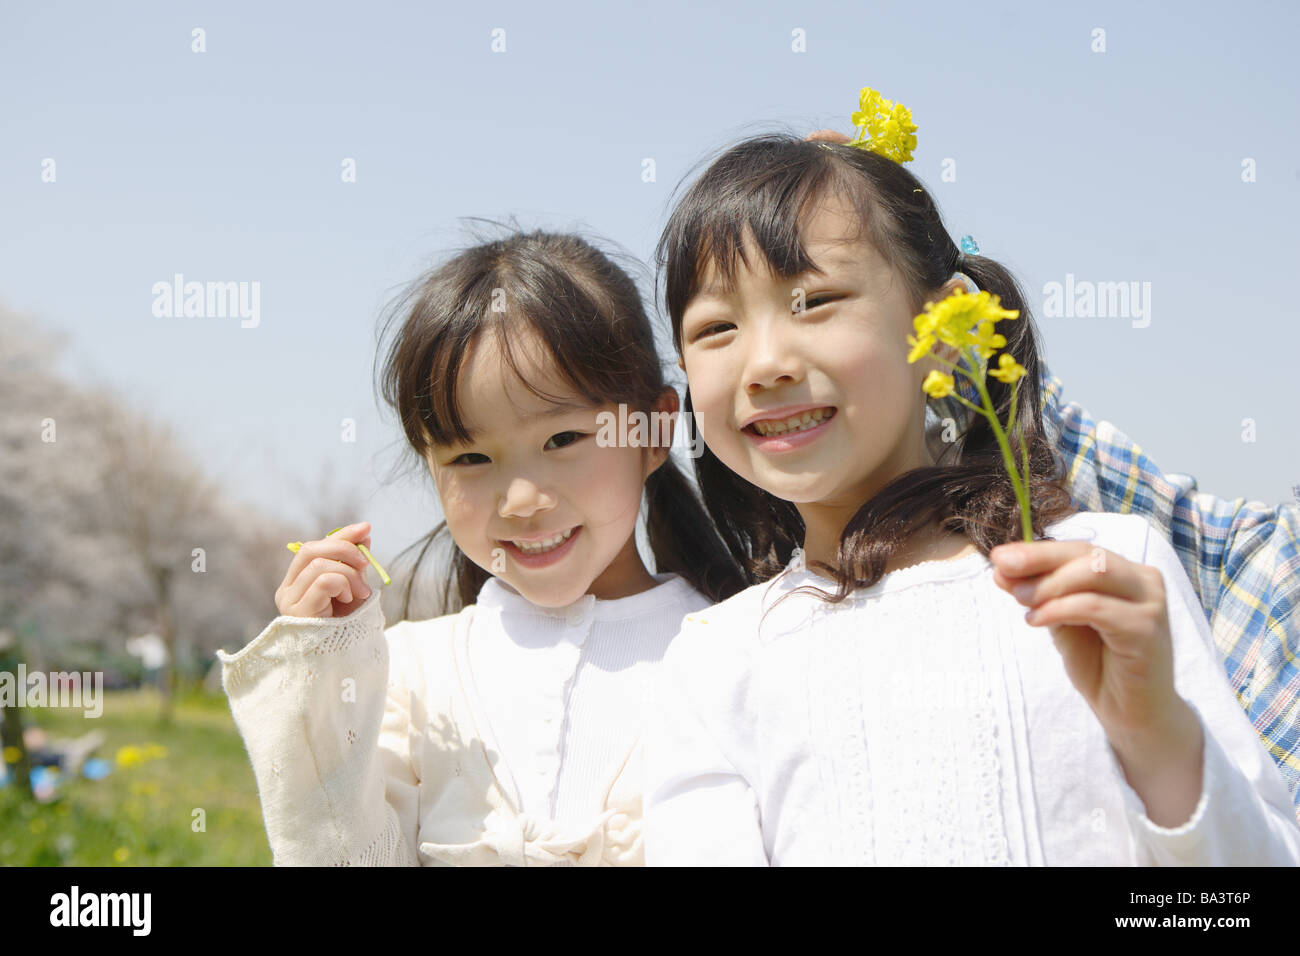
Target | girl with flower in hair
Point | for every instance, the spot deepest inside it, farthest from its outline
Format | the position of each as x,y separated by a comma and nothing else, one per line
879,694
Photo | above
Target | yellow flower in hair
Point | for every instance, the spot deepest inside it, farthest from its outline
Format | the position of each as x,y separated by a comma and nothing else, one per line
1008,369
938,384
884,127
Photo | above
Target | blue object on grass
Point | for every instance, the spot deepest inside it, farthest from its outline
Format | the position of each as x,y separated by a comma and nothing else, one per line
96,769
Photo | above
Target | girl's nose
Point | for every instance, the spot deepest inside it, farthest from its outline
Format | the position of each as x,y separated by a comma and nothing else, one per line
771,361
523,498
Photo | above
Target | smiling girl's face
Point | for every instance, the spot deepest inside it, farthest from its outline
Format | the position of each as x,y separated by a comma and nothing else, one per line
533,474
750,354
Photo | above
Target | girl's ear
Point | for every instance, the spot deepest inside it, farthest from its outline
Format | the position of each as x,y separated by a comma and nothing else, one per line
668,403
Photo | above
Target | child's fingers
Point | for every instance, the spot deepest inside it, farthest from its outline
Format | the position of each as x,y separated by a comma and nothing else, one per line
1081,608
1021,559
1114,575
828,136
335,547
1127,626
327,576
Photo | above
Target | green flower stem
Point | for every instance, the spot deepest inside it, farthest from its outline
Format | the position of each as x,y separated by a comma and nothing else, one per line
1022,494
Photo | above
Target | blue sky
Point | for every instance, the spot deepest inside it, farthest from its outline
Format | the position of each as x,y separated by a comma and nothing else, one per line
1122,165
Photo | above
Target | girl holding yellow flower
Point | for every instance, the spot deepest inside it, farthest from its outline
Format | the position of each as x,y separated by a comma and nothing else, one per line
916,714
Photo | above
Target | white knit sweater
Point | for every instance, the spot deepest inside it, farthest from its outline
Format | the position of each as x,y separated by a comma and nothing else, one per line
505,734
923,721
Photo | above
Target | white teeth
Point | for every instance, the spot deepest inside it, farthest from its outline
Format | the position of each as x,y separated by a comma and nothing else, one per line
795,423
546,544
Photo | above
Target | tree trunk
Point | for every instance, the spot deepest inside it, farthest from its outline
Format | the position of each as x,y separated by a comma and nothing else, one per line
167,630
11,718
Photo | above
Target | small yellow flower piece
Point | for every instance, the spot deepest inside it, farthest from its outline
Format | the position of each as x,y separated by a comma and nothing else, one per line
121,854
129,756
938,384
1008,370
11,754
883,127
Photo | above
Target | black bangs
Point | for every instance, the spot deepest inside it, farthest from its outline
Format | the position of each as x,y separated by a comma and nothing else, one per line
521,294
763,186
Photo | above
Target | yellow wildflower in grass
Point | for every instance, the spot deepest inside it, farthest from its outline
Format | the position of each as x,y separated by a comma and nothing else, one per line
884,127
12,754
129,756
121,854
967,323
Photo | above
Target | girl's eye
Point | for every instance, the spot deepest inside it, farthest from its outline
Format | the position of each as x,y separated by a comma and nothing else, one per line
821,299
708,328
577,436
469,454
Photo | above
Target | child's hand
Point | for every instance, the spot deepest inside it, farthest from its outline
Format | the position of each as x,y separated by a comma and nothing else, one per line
327,578
1108,618
828,136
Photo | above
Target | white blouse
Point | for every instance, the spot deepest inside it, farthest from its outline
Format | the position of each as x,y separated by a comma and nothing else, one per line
562,686
508,733
923,721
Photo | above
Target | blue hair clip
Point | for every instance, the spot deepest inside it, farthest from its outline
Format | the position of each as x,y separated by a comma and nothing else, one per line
969,246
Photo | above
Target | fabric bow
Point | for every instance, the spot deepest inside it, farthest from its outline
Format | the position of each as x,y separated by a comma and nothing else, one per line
523,840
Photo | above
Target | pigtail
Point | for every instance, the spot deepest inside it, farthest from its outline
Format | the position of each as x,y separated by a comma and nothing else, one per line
682,537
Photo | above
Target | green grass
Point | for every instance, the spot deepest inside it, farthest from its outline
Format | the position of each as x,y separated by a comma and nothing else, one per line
142,815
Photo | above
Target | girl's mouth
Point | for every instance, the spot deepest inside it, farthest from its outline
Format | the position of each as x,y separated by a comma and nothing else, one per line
542,553
794,432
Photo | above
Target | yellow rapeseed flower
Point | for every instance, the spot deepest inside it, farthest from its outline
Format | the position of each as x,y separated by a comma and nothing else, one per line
884,127
938,384
963,321
920,347
967,323
1008,370
129,756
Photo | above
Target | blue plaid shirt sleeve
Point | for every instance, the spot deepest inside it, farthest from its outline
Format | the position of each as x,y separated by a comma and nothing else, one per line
1242,557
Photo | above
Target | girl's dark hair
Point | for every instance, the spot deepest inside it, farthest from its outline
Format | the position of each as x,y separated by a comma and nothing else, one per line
589,314
767,185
